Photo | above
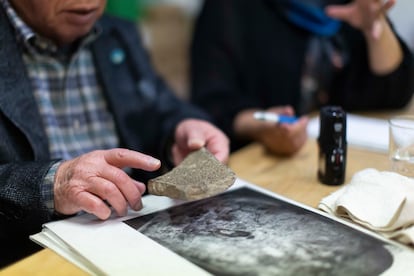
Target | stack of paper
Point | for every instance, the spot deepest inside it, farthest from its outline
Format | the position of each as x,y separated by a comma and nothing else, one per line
364,132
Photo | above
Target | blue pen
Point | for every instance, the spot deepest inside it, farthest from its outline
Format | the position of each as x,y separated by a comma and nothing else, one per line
275,118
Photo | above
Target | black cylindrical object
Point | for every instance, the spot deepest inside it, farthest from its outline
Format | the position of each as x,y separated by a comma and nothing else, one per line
332,145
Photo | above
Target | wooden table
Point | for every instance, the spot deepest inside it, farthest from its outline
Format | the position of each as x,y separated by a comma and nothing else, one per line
294,177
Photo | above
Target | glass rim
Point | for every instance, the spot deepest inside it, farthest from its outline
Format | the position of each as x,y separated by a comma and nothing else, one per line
400,121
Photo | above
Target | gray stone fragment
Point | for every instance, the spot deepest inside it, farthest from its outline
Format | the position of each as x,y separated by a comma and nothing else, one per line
198,176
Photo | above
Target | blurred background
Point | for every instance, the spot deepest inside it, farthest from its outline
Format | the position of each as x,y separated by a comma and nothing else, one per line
166,26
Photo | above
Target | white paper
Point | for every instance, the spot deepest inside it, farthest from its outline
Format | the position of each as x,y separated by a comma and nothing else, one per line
364,132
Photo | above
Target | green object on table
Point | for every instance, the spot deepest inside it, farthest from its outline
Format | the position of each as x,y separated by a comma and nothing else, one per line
128,9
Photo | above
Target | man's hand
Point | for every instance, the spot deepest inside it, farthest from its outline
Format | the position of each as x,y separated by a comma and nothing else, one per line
192,134
96,179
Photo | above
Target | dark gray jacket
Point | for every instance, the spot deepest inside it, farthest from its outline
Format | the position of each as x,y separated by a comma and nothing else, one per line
145,111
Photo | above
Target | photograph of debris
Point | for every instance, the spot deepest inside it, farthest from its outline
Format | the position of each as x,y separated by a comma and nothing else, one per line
246,232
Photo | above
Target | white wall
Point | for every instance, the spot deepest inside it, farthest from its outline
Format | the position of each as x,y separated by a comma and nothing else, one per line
402,14
190,7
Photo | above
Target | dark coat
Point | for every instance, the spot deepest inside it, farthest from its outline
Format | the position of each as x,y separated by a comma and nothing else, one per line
144,109
245,54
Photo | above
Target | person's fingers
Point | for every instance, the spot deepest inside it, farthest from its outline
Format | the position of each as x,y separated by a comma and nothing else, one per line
193,134
388,5
301,123
345,12
288,110
195,142
140,186
285,110
340,12
177,156
189,136
215,141
219,147
377,25
119,181
109,192
92,173
93,205
296,132
195,138
128,158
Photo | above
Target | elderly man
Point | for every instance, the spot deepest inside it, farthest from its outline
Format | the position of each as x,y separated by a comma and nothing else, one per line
79,107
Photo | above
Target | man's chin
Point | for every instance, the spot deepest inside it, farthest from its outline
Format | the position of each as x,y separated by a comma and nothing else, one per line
69,38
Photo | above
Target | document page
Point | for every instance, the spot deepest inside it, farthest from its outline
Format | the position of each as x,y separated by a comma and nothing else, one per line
364,132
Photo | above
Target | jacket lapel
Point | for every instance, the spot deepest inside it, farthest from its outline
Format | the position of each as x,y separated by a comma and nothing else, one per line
16,99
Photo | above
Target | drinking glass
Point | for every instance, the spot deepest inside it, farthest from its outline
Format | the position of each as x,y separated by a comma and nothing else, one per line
401,144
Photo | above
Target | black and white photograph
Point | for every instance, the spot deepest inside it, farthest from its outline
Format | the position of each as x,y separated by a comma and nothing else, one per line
246,232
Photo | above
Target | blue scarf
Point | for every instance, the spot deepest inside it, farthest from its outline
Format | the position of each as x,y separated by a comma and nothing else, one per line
310,15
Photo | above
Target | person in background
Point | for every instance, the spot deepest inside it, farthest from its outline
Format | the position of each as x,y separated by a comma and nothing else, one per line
292,57
84,119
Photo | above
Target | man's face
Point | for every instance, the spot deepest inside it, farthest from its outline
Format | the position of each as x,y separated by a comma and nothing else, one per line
63,21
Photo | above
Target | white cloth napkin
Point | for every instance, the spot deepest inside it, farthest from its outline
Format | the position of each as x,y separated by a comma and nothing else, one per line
382,201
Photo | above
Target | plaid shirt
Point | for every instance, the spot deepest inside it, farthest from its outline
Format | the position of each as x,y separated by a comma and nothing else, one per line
70,101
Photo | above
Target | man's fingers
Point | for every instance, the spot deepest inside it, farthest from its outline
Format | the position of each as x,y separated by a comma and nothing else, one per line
108,191
196,138
128,158
93,205
122,182
91,181
218,152
219,147
140,186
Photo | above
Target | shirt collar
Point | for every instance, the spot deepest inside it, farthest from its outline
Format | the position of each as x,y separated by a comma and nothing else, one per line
34,42
23,32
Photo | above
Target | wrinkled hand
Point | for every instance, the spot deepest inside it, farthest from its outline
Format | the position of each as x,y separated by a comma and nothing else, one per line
365,15
193,134
89,182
